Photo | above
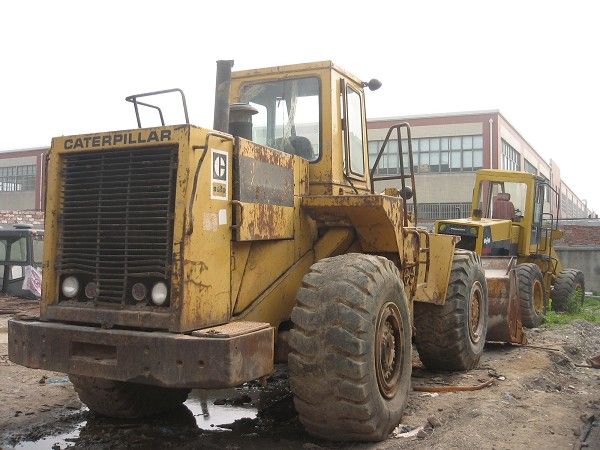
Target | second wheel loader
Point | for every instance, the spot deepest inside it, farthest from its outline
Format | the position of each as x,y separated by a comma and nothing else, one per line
513,232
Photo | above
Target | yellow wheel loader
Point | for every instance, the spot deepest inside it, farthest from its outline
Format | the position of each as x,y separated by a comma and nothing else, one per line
179,257
513,232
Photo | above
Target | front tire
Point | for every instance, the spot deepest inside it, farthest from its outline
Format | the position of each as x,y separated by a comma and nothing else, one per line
451,336
126,400
350,358
531,294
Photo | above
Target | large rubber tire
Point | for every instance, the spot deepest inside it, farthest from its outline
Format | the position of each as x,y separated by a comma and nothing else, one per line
350,359
447,337
565,285
531,291
126,400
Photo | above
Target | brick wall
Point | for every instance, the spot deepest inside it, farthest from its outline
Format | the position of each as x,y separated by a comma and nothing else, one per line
32,217
579,235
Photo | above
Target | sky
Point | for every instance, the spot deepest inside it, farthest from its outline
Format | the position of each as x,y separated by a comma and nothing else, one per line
66,67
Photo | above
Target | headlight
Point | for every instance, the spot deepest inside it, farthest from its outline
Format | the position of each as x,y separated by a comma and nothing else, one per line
91,290
138,292
70,287
159,293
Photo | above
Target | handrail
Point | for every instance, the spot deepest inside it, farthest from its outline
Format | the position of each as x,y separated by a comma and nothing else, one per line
134,99
398,127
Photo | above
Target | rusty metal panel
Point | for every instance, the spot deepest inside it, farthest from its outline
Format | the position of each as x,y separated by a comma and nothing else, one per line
202,252
259,221
139,317
504,312
231,329
441,251
157,358
377,218
263,192
259,181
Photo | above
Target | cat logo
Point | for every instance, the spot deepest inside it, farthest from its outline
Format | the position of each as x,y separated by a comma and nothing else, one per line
219,179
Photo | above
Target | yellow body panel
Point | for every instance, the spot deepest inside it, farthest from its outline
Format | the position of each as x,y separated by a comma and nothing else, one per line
433,290
200,281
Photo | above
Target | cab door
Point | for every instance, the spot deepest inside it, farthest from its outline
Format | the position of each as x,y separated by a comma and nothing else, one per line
538,213
354,140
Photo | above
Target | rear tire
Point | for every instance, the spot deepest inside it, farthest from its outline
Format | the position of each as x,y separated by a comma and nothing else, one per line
565,286
451,336
531,294
350,359
126,400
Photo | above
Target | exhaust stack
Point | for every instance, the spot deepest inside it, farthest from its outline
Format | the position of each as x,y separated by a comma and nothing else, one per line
223,83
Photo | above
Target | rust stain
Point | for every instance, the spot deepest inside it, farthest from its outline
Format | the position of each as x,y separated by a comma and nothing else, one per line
194,274
266,154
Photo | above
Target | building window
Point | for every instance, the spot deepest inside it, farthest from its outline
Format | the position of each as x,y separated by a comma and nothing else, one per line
17,178
549,195
511,160
430,155
529,167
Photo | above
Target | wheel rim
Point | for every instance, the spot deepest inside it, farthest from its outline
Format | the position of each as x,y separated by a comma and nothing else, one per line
388,349
538,297
476,312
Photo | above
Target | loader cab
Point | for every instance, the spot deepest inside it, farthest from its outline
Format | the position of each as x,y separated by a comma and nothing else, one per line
508,216
315,111
516,198
21,250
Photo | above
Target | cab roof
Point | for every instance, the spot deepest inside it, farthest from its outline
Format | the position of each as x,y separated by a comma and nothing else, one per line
18,230
505,175
303,67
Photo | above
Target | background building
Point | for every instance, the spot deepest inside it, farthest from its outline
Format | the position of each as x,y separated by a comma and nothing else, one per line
21,179
449,148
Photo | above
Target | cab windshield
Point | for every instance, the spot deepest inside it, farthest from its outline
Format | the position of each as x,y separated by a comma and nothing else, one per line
503,200
288,116
13,249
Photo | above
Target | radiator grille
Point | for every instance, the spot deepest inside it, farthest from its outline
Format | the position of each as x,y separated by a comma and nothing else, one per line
117,217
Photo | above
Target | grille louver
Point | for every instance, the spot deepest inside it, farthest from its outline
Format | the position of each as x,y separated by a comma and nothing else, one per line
117,217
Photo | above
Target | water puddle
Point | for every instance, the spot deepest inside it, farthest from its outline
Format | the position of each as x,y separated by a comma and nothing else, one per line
209,416
58,380
60,441
231,412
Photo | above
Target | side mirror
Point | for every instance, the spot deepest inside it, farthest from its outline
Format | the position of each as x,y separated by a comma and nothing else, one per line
373,84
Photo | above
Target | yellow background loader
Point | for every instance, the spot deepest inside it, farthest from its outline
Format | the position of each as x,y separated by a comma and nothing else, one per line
515,236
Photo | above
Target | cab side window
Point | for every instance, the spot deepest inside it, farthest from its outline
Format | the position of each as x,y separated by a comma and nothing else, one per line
355,132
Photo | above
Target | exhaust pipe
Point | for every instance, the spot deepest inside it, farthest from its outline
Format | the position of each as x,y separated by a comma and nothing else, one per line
223,83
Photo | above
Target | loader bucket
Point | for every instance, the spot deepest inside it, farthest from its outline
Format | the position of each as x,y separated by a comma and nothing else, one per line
504,313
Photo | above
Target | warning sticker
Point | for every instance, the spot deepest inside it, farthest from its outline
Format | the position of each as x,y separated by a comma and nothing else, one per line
219,181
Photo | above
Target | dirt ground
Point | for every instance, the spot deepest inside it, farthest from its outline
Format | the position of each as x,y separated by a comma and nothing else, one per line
539,398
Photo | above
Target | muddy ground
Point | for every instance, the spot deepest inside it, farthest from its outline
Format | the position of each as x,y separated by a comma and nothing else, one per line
539,398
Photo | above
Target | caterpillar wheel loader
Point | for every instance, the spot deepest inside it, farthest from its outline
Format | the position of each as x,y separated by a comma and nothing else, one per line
179,257
514,234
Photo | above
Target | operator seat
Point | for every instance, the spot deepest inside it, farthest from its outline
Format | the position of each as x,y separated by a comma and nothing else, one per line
503,208
302,147
295,145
